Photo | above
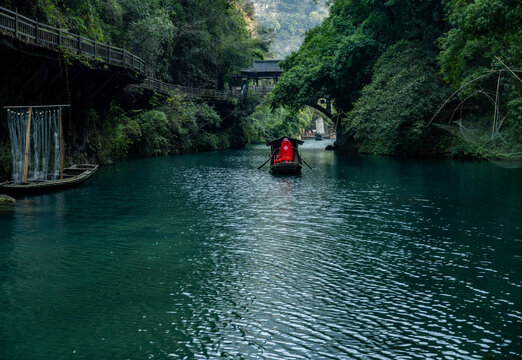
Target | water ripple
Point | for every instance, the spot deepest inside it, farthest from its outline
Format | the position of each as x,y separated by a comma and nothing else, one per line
208,257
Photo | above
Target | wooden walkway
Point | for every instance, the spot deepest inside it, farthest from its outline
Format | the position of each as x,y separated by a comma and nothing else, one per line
40,34
201,93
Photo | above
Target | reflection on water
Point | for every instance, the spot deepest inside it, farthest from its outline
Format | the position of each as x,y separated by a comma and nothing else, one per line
203,256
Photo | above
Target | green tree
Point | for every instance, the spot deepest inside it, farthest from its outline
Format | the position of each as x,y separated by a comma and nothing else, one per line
392,114
150,36
189,42
336,58
481,57
481,31
289,20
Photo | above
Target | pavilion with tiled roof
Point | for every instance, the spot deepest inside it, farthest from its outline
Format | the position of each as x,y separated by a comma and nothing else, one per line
262,69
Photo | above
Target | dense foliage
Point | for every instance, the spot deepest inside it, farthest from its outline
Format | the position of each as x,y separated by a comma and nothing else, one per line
380,65
481,31
481,57
5,161
190,42
266,123
289,20
336,58
175,126
393,111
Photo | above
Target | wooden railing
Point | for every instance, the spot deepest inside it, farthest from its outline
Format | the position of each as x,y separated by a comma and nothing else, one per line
44,35
261,89
202,93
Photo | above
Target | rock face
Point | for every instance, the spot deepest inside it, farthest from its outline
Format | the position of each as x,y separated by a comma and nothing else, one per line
289,19
6,200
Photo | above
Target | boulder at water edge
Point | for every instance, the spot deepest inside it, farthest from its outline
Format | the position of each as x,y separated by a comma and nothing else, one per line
6,200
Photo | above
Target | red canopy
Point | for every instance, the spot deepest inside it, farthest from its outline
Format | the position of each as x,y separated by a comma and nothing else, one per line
286,153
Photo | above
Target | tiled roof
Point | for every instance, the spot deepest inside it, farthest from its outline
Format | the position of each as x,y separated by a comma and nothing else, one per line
264,66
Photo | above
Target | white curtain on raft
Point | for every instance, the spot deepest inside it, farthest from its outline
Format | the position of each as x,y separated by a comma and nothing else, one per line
44,145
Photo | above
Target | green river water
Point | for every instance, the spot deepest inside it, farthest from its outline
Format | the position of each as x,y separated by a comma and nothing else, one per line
203,256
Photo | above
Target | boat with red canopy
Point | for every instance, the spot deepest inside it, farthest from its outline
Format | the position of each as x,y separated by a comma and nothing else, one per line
285,158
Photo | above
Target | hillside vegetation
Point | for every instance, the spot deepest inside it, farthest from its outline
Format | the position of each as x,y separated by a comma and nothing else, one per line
289,20
388,67
188,42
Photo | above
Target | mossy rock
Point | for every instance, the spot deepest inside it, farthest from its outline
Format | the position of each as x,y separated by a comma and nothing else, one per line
6,200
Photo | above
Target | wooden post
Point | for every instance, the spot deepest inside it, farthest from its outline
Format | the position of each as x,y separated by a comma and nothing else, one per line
95,49
16,23
79,44
60,128
59,36
27,142
36,31
109,52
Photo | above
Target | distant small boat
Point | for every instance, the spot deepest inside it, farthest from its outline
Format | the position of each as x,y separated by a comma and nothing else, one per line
72,176
285,158
318,136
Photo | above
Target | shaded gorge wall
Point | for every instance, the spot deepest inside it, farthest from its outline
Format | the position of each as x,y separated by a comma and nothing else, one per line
108,119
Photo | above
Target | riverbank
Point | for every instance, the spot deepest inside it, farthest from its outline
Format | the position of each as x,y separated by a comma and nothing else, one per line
174,126
167,126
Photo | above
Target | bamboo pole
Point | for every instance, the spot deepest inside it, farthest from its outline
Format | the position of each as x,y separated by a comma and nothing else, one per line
61,141
496,114
507,67
27,141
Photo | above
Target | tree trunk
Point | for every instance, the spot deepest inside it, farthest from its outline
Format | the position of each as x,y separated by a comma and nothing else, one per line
221,81
344,138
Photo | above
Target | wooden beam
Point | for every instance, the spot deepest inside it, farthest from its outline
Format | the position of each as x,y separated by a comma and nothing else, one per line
46,86
100,88
61,141
31,78
27,142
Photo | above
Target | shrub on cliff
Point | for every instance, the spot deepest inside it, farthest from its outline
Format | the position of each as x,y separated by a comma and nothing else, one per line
107,136
154,133
391,115
174,127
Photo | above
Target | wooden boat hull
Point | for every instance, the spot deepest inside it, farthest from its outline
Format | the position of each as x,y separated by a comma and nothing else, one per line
73,176
286,168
